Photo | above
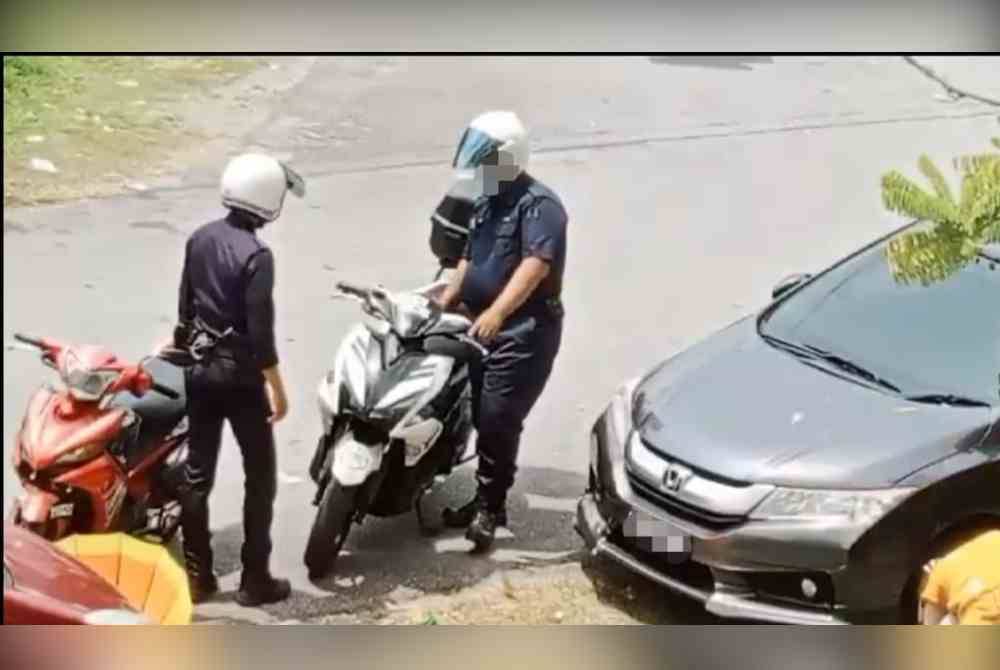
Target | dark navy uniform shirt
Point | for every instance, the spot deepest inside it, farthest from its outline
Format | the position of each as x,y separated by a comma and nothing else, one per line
228,281
525,219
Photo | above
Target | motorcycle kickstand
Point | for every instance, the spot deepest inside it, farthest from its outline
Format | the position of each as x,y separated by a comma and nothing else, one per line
425,529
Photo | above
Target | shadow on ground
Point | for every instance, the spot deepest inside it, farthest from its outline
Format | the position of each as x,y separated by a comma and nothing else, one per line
388,561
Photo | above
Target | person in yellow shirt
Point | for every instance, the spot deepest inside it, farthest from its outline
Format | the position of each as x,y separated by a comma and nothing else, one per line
964,587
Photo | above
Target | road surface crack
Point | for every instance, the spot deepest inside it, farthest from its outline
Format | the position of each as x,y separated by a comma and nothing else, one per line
952,90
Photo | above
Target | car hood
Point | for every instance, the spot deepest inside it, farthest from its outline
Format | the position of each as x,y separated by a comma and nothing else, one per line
736,407
37,566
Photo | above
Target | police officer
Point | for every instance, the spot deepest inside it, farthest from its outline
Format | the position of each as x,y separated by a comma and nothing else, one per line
510,280
226,314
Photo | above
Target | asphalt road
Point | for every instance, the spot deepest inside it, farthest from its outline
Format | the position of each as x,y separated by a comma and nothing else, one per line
692,187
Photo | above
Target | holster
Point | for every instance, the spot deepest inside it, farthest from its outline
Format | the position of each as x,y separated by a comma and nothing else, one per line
201,340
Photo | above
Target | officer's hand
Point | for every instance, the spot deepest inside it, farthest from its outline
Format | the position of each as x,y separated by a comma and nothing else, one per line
279,406
487,326
279,401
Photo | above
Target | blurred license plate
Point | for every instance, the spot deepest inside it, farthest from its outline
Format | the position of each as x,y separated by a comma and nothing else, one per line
61,511
657,536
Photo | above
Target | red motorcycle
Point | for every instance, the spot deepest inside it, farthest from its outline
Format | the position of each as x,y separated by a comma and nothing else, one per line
102,453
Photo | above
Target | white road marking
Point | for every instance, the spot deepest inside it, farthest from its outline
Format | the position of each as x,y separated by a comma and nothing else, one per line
550,504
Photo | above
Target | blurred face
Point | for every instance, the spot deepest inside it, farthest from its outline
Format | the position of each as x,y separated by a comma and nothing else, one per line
482,164
497,167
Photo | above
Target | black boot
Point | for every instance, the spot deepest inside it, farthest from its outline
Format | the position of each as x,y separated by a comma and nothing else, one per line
463,516
202,582
483,529
256,591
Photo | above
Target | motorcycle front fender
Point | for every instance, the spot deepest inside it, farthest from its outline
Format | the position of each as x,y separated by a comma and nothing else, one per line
354,462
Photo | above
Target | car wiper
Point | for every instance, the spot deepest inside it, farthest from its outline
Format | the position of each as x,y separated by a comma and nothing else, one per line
852,367
839,362
792,347
947,399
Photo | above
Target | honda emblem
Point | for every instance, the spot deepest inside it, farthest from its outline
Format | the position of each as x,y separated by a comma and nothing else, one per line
676,477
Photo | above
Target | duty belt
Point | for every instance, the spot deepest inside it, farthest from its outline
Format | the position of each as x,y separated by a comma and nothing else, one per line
205,340
551,308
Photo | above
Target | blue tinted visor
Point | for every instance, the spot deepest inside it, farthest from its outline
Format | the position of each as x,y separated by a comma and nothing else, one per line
294,181
476,148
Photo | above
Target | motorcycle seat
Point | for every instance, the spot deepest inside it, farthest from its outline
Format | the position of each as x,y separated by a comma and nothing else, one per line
157,414
449,324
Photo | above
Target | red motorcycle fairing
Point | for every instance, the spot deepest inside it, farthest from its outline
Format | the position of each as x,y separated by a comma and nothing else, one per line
104,482
55,425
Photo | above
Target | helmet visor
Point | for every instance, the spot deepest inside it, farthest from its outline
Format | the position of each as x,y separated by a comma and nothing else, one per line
476,148
296,184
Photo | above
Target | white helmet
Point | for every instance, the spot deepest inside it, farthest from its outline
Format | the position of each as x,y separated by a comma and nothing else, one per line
257,184
493,148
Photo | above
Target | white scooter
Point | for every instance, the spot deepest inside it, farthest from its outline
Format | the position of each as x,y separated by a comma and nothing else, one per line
396,413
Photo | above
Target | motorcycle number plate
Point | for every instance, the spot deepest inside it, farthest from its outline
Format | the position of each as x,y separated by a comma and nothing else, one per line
61,511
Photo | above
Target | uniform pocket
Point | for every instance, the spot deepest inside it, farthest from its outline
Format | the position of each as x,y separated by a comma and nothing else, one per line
506,242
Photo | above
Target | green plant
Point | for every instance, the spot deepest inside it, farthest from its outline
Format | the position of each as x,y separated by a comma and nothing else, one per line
959,228
21,73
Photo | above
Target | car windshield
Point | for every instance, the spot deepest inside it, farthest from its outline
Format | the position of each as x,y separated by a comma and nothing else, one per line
940,338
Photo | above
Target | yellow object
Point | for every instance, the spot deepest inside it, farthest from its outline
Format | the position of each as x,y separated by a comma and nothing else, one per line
145,574
966,582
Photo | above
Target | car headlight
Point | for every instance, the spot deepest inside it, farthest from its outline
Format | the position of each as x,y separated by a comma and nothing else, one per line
80,454
116,617
619,412
858,507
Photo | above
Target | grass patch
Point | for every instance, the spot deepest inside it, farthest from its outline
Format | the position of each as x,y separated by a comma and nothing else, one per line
99,120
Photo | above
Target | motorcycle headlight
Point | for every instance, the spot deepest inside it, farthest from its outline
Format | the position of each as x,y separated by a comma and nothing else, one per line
82,382
855,507
116,617
80,454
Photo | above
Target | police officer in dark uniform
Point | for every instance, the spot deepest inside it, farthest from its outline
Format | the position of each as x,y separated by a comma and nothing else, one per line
226,314
510,280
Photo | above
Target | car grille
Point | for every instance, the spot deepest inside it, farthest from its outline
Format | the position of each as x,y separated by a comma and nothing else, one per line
682,510
691,573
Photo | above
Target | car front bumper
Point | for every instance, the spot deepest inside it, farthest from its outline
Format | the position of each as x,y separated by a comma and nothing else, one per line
719,600
751,570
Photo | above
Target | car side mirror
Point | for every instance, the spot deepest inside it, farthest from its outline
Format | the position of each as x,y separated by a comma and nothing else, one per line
789,283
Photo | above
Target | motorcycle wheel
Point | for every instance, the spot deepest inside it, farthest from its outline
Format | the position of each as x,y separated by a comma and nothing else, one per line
330,528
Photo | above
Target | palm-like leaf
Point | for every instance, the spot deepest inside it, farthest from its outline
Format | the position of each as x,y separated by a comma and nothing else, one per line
959,228
936,179
904,197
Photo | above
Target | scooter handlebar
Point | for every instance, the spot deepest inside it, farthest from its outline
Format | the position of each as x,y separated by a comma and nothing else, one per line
363,292
352,289
26,339
164,391
471,341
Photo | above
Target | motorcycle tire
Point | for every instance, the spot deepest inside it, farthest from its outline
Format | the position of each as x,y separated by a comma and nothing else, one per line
330,528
